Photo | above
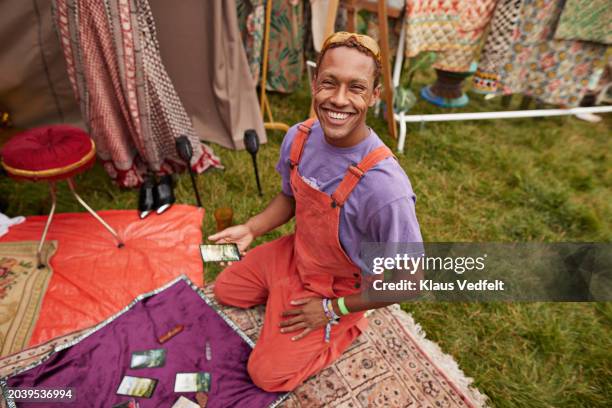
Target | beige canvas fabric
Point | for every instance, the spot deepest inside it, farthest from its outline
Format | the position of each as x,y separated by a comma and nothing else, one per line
200,47
202,50
34,85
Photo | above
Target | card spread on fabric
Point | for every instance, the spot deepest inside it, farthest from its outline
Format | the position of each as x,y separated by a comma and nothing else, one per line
148,358
137,386
101,359
192,382
183,402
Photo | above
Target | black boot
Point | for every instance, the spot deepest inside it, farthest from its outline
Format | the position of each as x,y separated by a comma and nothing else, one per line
147,197
165,193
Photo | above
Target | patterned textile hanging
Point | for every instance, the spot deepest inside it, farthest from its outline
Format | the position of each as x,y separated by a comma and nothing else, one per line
586,21
452,28
497,45
553,71
126,96
285,59
251,19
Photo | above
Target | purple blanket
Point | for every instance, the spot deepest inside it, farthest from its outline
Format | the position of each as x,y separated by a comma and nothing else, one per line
95,365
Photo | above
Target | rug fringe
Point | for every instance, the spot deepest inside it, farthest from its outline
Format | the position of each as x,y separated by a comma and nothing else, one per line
443,361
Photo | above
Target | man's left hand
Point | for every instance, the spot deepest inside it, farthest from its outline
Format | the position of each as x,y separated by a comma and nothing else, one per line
308,315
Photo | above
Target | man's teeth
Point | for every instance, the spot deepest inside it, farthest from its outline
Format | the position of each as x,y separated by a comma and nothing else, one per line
337,115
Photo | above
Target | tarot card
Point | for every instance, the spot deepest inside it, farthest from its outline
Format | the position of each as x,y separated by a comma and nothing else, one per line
137,386
220,252
192,382
148,358
183,402
127,404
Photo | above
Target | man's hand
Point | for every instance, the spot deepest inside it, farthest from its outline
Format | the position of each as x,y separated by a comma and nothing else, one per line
308,316
241,235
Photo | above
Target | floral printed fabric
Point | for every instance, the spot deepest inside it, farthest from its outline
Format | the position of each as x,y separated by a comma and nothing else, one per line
451,28
553,71
251,19
22,288
586,21
285,55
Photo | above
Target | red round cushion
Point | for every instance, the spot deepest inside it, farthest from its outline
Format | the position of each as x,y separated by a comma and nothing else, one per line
53,152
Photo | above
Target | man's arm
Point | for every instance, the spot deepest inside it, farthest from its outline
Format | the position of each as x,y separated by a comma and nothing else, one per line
358,302
278,212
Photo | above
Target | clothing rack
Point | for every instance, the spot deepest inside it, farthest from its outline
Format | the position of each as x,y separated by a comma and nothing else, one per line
402,118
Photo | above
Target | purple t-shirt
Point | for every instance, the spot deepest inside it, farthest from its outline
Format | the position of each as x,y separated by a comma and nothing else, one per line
382,206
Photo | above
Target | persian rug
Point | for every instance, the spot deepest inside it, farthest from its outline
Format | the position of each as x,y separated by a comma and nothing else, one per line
22,287
392,364
108,347
93,279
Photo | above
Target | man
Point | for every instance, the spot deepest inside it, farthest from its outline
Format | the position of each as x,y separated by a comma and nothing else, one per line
311,277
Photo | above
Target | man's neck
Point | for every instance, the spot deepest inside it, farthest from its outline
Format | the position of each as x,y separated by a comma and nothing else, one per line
356,137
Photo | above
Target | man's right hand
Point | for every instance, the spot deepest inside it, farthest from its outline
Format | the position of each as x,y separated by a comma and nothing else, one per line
241,235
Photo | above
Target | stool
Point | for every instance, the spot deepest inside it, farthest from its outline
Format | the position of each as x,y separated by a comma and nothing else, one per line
52,153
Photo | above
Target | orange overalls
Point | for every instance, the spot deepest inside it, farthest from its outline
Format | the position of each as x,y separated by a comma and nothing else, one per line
308,263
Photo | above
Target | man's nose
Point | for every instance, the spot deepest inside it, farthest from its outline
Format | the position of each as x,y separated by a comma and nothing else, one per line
340,97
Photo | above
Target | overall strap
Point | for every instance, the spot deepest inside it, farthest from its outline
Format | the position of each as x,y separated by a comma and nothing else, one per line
297,147
356,172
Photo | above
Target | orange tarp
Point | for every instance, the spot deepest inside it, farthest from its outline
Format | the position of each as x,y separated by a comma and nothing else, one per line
93,279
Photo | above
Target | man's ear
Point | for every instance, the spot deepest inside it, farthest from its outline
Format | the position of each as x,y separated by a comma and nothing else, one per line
312,84
375,95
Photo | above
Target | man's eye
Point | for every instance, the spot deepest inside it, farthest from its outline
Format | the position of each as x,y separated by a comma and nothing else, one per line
358,88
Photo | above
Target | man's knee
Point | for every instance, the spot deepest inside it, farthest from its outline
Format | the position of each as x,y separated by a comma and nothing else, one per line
270,378
223,289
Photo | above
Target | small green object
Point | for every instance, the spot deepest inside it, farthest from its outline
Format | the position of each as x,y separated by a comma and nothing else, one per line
342,306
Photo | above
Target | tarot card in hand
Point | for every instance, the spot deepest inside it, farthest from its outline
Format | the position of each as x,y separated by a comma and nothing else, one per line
148,358
220,252
192,382
137,386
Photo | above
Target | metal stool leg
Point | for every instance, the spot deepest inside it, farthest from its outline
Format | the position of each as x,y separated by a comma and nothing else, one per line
47,224
110,229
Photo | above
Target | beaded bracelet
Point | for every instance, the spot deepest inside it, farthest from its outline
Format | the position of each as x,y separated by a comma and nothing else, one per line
332,317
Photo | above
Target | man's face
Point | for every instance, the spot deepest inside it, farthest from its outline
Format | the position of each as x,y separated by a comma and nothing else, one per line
343,91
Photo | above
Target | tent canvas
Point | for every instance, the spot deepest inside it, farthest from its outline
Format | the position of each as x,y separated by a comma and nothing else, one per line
200,46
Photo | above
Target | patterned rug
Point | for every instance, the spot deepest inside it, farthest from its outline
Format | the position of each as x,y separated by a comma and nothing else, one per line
22,287
390,365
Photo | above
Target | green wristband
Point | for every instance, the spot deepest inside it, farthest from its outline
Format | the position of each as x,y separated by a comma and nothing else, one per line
342,306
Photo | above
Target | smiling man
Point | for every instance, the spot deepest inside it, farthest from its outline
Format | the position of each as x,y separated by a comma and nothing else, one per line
344,187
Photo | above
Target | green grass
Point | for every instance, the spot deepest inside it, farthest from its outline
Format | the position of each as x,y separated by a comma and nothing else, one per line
506,180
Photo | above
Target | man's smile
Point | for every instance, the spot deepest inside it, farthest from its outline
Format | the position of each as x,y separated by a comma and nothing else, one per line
337,116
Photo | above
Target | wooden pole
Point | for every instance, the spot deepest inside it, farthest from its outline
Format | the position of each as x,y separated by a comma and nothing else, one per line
264,65
264,105
386,65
